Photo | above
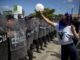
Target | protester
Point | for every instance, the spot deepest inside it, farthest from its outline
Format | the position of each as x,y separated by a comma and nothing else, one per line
76,24
66,31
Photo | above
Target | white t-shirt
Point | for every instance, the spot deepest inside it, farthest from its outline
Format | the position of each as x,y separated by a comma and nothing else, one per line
67,34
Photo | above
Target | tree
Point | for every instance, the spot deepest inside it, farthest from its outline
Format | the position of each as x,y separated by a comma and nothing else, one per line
47,12
57,17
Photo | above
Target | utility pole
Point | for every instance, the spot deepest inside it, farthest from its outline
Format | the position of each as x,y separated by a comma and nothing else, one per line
79,9
72,10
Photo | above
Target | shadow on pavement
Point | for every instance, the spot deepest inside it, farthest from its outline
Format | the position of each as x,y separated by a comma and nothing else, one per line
49,51
56,54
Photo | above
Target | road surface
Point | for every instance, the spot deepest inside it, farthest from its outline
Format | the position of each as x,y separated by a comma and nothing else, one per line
52,52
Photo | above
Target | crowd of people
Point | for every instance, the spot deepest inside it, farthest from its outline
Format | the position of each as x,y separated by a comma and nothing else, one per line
68,29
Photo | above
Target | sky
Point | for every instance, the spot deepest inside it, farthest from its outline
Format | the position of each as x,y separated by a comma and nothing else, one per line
60,6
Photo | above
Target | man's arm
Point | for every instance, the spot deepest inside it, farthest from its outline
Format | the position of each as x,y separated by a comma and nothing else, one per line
47,20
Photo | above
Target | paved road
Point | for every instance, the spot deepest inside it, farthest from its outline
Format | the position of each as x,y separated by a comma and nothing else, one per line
52,52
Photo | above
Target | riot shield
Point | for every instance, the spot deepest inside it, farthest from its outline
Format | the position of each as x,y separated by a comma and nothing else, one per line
52,32
16,34
45,26
3,39
50,37
29,31
41,29
36,28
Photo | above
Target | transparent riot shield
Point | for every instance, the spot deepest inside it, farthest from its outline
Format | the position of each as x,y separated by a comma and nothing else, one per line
47,29
29,31
3,39
45,26
47,32
17,38
50,31
36,28
41,29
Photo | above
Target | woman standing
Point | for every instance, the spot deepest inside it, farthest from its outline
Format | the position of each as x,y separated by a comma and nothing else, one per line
66,31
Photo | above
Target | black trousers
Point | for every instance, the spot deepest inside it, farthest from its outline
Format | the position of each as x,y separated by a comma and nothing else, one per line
68,51
36,42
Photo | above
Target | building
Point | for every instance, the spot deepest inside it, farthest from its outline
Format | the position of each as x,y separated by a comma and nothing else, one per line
16,10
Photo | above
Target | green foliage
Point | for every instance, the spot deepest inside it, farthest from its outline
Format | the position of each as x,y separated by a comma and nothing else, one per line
57,17
47,12
15,8
7,13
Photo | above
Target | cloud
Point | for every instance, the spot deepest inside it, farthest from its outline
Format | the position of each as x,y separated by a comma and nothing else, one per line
70,0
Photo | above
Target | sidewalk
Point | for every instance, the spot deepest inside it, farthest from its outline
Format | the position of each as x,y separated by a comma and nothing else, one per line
52,52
